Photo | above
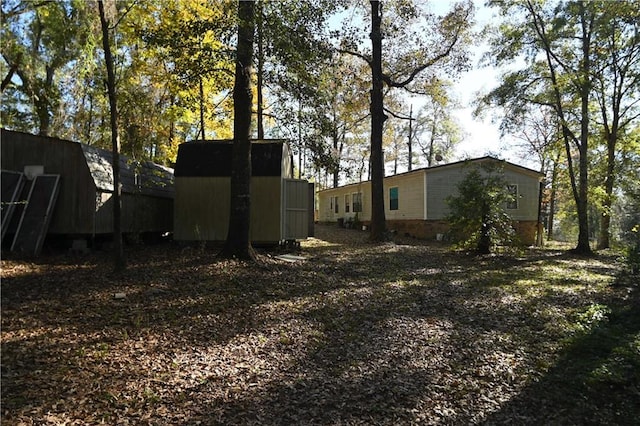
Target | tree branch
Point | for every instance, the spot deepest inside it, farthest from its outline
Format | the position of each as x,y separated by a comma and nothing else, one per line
400,84
398,116
124,14
356,54
21,8
7,79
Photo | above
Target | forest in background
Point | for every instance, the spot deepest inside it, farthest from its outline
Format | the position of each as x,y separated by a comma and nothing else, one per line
569,89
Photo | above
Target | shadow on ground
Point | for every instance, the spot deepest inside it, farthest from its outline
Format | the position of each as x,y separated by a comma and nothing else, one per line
357,334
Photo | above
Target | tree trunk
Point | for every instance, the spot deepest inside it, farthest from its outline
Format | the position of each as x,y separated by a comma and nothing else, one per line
378,222
605,220
578,186
582,203
119,262
202,131
540,229
238,243
260,71
552,196
410,143
432,137
300,166
337,149
582,206
484,242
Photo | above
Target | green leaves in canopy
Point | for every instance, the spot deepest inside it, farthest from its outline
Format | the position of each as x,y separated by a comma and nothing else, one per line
295,45
38,41
196,38
419,45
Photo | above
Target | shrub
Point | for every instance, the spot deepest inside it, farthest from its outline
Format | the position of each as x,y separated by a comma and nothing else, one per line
478,217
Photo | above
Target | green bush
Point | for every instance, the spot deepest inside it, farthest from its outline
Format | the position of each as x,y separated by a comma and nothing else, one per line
478,217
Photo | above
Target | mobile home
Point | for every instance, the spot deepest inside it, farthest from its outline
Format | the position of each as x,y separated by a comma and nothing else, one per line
415,201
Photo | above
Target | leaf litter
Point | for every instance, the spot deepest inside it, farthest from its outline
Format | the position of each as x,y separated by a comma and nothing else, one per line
407,332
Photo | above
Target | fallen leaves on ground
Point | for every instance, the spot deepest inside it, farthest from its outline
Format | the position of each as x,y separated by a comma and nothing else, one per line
404,332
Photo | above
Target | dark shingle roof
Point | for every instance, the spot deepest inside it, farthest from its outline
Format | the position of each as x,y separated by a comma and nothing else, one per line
142,177
213,158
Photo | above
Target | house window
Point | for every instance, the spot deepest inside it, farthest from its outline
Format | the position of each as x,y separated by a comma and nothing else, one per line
331,204
335,204
346,203
357,202
393,198
512,204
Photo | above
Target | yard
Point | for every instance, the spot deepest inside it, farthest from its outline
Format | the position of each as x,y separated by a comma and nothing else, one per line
399,333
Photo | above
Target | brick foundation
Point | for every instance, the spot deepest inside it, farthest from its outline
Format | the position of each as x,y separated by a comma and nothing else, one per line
429,229
423,229
526,230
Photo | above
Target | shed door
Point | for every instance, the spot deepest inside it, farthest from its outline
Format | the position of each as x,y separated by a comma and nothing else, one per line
296,209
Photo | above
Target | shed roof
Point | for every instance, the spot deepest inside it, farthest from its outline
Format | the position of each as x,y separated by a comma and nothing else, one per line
213,158
144,177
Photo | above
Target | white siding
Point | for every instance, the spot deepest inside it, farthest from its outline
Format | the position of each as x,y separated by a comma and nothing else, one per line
443,182
410,196
328,214
528,194
422,193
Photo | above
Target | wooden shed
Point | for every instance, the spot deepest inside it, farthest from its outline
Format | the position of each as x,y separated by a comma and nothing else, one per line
281,207
84,201
415,201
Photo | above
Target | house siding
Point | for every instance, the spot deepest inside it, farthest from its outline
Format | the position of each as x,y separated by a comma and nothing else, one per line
422,194
443,183
327,214
411,194
410,199
440,185
528,194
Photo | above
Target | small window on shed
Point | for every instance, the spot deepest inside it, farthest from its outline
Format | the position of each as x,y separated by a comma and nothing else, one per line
357,202
347,203
335,205
393,198
512,204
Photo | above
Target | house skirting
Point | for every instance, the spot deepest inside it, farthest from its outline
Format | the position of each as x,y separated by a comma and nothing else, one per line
526,230
422,229
434,229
